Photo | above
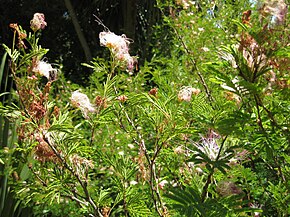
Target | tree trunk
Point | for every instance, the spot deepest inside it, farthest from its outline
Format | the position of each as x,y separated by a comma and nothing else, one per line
129,12
78,30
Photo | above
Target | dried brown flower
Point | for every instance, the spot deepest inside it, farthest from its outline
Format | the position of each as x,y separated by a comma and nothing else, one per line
42,151
122,98
153,92
21,35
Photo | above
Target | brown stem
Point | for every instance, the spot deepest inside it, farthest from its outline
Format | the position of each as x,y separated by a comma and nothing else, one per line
125,200
205,187
71,170
140,142
39,178
189,53
259,121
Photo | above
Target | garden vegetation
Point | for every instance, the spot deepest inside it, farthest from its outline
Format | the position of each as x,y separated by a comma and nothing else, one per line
200,129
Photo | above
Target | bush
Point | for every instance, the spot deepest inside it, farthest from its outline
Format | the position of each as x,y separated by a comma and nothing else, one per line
200,130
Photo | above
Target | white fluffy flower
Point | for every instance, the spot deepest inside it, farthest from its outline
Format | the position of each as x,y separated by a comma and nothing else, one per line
82,101
44,69
81,165
119,46
209,147
38,22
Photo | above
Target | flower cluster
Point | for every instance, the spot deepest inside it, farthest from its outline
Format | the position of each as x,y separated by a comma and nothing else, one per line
252,53
82,101
38,22
210,148
186,92
119,46
21,34
42,151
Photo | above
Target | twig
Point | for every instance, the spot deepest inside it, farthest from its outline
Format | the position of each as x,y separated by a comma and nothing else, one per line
259,122
71,170
39,178
140,142
201,78
153,172
77,199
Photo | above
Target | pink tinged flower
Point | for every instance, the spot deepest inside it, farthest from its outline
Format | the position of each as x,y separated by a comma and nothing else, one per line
82,101
210,148
162,184
81,165
44,69
122,98
38,22
117,43
179,150
196,91
186,92
119,46
33,77
129,62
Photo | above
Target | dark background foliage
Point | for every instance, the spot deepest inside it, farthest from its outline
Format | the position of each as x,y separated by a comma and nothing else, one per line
130,17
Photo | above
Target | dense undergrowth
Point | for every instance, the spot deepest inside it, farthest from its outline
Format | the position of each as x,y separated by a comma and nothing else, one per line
202,129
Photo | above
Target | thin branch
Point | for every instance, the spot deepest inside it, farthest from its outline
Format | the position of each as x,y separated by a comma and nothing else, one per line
153,172
259,121
189,53
71,170
140,142
72,197
39,178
